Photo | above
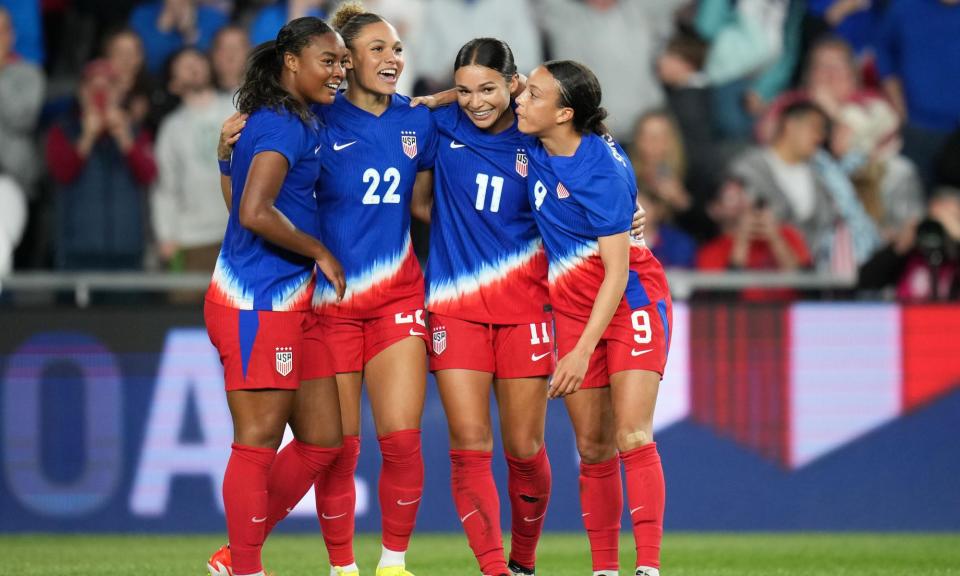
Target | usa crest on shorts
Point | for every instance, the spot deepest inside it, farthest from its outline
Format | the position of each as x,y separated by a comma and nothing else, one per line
409,140
439,340
521,165
284,360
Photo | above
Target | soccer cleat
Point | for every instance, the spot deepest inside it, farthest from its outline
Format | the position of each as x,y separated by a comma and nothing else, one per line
647,571
339,571
219,564
393,571
518,570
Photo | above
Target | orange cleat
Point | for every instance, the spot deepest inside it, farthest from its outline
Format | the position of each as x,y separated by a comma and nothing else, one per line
219,564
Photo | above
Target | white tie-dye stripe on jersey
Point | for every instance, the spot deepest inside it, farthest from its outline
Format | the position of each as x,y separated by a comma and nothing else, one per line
228,289
489,273
296,295
559,267
359,285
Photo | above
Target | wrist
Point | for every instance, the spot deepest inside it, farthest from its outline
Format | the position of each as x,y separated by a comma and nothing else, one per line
224,167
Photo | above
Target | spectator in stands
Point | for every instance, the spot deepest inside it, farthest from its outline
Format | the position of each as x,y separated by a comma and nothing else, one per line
123,50
187,213
620,41
21,96
25,18
673,247
229,56
271,18
168,25
752,238
448,23
865,139
13,220
659,159
101,161
918,58
782,173
923,262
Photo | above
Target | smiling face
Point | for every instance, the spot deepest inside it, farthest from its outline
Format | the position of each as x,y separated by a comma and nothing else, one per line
318,70
376,59
538,107
484,94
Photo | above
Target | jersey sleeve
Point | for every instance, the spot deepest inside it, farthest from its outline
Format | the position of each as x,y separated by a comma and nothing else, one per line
429,155
445,117
608,204
283,133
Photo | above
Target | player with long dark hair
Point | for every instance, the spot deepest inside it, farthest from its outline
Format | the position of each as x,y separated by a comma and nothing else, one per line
612,307
257,306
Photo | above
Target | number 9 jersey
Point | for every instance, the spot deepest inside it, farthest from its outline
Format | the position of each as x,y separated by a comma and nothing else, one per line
368,167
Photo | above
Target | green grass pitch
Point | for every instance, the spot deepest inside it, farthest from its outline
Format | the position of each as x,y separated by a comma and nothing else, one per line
448,555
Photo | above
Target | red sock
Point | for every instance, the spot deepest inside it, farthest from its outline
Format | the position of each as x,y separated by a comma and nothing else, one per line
245,502
478,505
645,497
528,483
401,487
601,501
336,501
294,471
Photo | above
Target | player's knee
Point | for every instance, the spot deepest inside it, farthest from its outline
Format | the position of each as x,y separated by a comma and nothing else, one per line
472,437
260,435
594,450
524,447
630,438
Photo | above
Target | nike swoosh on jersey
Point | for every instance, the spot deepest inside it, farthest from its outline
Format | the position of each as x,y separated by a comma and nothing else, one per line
454,144
338,147
636,352
316,150
538,357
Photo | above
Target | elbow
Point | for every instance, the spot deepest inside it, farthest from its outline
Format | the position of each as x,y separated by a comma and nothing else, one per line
250,219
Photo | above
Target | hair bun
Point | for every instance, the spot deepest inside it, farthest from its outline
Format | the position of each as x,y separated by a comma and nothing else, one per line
346,12
594,122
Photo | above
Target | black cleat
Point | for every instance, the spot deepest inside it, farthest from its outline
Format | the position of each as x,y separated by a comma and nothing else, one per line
518,570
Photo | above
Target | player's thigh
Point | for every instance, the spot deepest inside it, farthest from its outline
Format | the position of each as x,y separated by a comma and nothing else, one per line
591,414
316,413
396,384
260,416
350,394
466,402
634,398
522,403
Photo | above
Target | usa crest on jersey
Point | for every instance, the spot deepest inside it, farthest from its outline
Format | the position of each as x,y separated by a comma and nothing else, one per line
284,360
409,140
521,165
562,191
439,340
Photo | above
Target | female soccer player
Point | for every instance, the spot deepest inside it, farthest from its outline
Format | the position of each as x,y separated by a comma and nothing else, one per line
258,302
487,296
612,307
376,147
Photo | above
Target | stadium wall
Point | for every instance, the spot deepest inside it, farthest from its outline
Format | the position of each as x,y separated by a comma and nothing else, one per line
774,417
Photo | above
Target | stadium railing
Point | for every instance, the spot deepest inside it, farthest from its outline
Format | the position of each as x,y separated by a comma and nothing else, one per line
683,283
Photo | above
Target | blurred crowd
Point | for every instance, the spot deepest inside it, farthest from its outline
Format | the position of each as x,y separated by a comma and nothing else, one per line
766,134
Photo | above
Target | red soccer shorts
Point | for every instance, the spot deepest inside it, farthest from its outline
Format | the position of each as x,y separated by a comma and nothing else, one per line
505,350
355,341
638,340
258,348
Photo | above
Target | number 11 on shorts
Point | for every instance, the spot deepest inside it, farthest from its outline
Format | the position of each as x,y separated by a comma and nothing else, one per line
536,338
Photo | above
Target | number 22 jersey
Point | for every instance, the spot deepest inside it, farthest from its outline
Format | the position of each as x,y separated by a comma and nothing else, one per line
368,167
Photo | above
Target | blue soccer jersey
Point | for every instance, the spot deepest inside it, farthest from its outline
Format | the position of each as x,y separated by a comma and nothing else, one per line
251,273
366,181
487,262
577,200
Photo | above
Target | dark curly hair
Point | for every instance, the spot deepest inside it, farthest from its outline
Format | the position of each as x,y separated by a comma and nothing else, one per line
261,83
